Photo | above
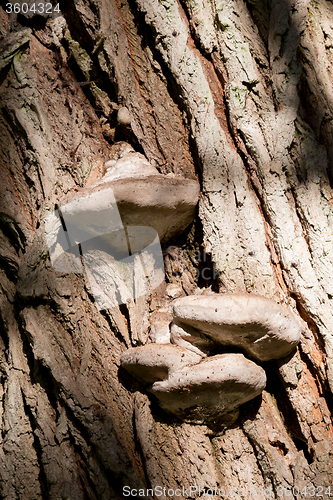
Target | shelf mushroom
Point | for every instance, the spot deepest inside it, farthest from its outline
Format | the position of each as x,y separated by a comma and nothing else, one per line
201,389
202,393
119,223
132,193
257,325
153,362
194,389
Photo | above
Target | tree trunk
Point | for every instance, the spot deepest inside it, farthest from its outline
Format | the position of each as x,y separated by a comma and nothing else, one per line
237,95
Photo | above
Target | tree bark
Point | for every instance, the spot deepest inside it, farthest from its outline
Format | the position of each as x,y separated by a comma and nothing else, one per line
235,94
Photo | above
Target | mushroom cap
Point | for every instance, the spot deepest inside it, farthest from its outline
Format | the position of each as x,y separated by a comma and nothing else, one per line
203,392
133,193
168,204
132,164
263,329
152,362
123,116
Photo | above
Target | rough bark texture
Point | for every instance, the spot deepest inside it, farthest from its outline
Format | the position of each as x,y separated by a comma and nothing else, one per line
239,95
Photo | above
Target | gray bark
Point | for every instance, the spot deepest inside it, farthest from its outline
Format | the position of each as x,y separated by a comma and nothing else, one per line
239,95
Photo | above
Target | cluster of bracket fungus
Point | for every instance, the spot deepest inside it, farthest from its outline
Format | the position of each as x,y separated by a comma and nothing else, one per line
201,388
125,210
201,393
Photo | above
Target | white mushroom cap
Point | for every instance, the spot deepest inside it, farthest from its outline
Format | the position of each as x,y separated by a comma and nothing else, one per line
123,116
203,392
130,165
263,329
133,193
152,362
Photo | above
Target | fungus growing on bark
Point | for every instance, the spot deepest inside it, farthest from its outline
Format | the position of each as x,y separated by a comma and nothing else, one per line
189,338
263,329
142,195
119,223
152,362
201,390
193,389
201,393
123,116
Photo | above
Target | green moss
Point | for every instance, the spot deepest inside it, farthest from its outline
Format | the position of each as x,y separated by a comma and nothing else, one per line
239,94
15,43
166,4
81,57
20,66
193,4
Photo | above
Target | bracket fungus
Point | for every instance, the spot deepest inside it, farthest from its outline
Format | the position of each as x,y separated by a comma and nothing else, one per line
152,362
194,389
119,223
123,117
201,389
257,325
143,197
217,385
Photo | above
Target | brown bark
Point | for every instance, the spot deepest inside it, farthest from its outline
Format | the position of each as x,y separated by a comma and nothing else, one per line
236,94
